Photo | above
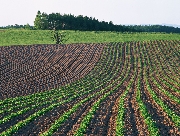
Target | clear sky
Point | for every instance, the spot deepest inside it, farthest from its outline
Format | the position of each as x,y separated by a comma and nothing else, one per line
118,11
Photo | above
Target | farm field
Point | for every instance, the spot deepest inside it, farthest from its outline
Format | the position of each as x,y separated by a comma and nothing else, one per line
29,37
114,88
38,68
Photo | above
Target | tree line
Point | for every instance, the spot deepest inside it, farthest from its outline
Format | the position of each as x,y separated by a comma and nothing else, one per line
16,26
154,28
57,21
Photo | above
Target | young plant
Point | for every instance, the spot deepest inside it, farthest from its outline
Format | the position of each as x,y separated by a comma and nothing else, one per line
59,37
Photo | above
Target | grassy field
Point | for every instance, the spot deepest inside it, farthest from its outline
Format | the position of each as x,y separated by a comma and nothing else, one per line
26,37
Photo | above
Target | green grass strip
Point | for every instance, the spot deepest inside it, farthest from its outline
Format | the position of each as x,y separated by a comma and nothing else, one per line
26,37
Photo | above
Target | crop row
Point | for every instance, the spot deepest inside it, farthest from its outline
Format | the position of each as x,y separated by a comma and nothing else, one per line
133,89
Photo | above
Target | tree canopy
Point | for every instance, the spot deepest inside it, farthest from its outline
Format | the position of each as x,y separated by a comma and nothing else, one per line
70,22
59,21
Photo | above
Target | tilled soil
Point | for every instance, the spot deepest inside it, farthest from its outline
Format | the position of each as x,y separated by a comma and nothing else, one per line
36,68
163,122
27,70
174,106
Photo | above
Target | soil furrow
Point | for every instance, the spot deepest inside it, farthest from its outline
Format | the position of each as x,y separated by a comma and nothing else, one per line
129,118
76,123
140,122
52,64
174,106
99,122
177,94
163,122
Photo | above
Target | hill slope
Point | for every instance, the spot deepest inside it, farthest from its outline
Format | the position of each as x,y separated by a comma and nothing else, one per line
133,89
29,37
37,68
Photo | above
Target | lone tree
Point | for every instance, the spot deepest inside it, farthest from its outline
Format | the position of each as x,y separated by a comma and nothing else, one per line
44,22
59,37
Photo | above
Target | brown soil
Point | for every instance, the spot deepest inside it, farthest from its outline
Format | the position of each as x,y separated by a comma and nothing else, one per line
36,68
174,106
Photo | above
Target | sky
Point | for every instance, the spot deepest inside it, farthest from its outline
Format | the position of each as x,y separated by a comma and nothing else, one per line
123,12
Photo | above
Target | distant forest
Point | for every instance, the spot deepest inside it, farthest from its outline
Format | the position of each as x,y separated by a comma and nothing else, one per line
58,21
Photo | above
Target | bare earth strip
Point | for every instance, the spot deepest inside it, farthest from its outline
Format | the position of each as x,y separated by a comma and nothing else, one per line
36,68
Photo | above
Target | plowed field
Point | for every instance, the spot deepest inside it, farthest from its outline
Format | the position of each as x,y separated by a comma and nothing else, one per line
128,88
